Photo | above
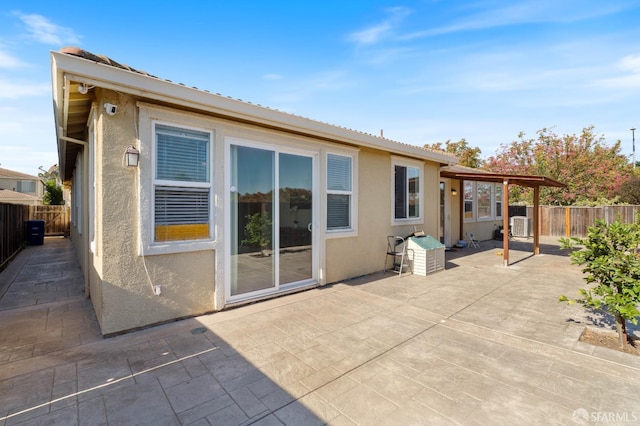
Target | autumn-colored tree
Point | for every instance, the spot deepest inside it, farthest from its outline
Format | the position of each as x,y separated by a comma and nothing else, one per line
469,157
592,170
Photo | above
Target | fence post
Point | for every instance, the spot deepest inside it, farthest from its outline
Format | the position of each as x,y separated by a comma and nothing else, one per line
567,222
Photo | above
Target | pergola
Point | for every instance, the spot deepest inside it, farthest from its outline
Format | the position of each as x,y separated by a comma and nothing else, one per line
530,181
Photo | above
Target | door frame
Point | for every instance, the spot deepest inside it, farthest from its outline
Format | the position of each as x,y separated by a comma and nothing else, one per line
315,236
446,220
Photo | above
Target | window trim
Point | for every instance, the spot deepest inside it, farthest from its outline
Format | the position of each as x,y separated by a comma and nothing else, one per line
491,215
495,213
352,231
406,162
472,200
148,120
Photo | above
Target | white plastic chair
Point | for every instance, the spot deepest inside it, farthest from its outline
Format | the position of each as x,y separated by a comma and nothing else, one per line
472,241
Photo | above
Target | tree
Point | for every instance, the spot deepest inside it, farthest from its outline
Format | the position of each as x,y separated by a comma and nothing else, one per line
592,170
469,157
259,230
630,191
53,194
611,261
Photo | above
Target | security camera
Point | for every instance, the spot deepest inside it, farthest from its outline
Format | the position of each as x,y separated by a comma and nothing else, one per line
111,108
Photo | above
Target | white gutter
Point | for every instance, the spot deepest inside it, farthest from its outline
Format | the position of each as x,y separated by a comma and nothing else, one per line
107,76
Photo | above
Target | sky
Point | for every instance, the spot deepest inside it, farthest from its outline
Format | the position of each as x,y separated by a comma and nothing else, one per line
420,71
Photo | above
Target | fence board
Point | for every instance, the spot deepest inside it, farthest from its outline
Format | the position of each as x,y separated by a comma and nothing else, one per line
12,219
57,218
553,219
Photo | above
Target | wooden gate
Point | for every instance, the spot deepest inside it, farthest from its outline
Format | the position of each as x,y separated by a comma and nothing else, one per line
57,219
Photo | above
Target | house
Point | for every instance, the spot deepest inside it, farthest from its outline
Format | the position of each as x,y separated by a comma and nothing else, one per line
186,202
21,183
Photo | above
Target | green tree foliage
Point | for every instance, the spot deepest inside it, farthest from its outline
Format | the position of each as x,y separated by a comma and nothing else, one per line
630,191
259,230
593,171
469,157
53,192
611,261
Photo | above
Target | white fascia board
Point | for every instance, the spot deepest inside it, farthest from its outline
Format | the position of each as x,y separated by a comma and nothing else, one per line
107,76
57,88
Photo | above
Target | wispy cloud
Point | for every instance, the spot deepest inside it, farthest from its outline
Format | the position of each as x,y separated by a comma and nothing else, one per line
272,77
44,31
8,61
382,30
20,89
524,12
628,74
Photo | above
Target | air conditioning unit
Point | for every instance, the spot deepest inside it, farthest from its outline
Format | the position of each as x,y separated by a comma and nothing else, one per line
521,226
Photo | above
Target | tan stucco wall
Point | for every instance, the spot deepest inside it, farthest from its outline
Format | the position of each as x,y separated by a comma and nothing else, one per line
127,280
364,254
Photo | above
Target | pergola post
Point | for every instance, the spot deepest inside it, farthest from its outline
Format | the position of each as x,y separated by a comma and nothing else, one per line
536,220
505,222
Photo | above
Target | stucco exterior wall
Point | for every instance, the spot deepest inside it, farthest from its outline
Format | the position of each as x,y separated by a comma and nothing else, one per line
127,280
364,254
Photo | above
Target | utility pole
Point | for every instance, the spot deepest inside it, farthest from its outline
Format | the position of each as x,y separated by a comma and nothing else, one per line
633,138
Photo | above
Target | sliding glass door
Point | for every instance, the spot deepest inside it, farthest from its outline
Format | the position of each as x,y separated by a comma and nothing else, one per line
272,211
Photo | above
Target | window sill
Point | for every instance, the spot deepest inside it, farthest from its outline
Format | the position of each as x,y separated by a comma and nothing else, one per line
176,247
341,233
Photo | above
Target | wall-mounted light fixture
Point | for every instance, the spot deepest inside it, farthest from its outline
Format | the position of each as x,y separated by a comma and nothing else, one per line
454,192
131,157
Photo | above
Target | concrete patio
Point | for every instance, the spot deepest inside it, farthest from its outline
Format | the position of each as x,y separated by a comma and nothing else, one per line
475,344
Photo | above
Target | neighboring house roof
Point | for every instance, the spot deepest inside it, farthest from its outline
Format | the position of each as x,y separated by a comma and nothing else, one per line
10,174
72,66
13,197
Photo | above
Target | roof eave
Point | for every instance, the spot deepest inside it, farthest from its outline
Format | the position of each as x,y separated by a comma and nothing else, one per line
107,76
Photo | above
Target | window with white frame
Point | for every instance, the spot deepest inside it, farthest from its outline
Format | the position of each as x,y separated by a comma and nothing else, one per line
181,184
484,192
339,192
407,191
482,201
26,186
469,211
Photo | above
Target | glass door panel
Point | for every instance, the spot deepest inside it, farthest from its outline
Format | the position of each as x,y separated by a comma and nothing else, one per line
296,216
252,220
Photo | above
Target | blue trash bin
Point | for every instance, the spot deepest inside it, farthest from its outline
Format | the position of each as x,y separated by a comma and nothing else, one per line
35,232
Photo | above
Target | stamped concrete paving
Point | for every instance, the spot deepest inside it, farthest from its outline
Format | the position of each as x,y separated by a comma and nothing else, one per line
475,344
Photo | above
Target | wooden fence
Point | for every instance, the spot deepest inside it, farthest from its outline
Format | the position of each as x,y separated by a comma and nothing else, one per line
574,221
12,225
12,218
57,219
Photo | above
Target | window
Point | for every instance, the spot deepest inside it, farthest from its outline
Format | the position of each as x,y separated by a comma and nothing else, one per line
468,201
182,184
407,198
26,186
484,199
339,192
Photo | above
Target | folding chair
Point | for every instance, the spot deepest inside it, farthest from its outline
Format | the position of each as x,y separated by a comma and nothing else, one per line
397,251
472,241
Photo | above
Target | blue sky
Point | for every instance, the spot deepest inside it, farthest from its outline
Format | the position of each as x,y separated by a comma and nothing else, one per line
422,71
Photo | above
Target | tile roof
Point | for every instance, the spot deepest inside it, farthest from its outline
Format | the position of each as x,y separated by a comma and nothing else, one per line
10,174
102,59
9,195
